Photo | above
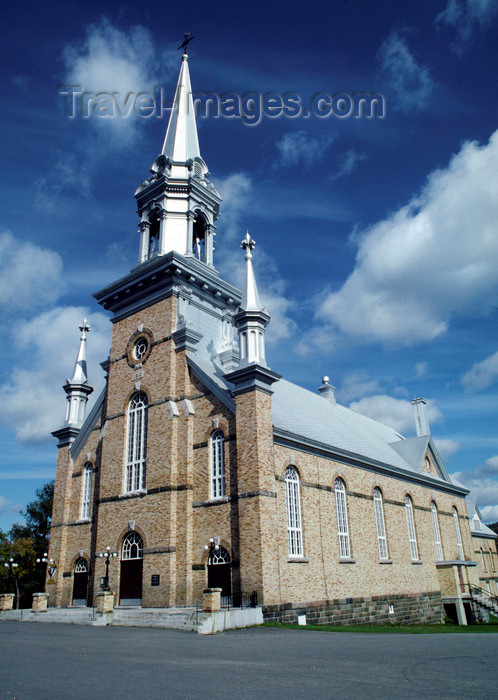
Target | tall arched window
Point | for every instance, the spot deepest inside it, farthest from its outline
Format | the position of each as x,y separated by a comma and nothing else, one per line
133,547
86,497
458,534
342,519
412,536
293,505
379,521
437,534
217,464
136,442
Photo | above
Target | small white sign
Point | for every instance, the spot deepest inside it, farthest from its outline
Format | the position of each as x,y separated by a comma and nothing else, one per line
139,374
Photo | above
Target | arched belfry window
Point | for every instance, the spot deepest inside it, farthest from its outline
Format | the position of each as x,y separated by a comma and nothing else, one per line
293,506
133,547
217,464
199,241
136,442
81,566
154,231
342,519
86,498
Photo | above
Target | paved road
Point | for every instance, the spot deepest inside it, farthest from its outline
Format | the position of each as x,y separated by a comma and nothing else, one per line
42,661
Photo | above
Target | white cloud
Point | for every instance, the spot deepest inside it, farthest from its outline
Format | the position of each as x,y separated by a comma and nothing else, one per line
30,276
46,347
411,82
349,161
468,15
491,465
69,176
116,62
236,191
7,507
297,147
357,385
446,448
482,374
397,413
430,260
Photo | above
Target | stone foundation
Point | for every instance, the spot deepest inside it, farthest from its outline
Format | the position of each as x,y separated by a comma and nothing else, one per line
407,609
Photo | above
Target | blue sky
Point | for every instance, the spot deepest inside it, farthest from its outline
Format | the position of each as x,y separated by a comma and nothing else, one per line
376,238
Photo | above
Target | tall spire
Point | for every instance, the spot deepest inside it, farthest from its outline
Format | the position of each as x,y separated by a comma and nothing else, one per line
78,389
252,319
177,204
181,143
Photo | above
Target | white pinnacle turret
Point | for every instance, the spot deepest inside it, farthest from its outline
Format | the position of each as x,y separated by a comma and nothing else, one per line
252,319
250,298
78,389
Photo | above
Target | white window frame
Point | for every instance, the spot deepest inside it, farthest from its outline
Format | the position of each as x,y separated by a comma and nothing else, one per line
437,532
133,547
342,519
380,524
217,470
412,534
136,443
86,495
293,508
458,534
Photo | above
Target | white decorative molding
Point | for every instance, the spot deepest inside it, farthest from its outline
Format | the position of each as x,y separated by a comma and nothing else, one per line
173,410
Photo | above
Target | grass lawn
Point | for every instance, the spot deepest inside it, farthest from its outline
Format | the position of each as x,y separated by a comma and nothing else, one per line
486,627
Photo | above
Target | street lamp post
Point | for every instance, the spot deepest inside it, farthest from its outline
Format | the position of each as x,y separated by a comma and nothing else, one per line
107,555
12,566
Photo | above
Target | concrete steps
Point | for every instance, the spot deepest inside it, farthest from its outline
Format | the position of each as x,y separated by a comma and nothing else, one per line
486,603
173,618
70,616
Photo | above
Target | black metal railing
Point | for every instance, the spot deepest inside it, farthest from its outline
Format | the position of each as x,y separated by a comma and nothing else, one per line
240,600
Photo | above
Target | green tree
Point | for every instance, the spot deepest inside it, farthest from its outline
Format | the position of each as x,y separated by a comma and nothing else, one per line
25,544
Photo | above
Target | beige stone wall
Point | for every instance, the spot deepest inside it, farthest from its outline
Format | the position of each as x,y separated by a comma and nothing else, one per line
321,575
484,553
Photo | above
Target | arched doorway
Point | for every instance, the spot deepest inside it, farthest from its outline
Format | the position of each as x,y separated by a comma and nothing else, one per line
130,580
220,571
80,582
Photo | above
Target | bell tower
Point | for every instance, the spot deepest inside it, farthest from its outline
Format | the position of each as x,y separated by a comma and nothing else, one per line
177,204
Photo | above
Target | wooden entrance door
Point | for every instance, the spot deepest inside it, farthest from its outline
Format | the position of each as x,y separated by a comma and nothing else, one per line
220,571
130,578
80,582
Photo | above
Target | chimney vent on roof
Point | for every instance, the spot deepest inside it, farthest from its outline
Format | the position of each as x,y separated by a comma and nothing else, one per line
421,421
327,390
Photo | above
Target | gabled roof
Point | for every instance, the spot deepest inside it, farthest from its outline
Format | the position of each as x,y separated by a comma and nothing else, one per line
477,527
311,422
91,421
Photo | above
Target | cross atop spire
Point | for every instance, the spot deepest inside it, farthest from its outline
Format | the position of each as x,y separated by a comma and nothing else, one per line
185,43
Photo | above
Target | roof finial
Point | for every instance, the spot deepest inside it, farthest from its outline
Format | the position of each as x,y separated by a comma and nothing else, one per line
185,43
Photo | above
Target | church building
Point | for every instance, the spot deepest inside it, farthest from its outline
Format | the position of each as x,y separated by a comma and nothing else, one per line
199,466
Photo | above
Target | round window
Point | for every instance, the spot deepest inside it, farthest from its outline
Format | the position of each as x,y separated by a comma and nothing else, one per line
140,349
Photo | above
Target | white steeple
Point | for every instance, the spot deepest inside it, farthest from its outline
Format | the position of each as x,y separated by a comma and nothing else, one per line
252,319
177,204
181,143
78,389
